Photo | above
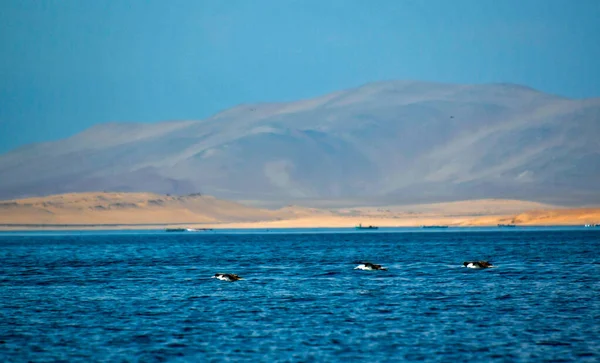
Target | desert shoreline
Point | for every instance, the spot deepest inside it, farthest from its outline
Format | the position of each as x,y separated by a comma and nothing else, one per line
253,226
148,211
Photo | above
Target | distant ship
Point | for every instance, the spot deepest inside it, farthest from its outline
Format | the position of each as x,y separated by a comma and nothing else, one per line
360,226
506,225
592,225
434,226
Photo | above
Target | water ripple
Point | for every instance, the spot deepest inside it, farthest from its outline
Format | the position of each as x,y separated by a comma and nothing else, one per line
150,297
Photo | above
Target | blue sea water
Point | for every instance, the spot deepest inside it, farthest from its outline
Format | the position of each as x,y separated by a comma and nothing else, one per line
148,296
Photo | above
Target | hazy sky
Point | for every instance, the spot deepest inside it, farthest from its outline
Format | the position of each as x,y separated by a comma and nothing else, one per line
68,64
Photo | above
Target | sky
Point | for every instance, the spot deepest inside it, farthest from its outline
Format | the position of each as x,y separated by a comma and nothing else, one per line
66,65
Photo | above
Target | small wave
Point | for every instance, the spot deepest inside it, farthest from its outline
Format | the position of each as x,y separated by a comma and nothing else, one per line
331,273
176,345
553,343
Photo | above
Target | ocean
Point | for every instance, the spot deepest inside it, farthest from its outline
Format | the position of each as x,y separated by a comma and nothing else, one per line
148,296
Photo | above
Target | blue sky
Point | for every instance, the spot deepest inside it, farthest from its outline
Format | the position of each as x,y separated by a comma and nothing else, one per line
67,65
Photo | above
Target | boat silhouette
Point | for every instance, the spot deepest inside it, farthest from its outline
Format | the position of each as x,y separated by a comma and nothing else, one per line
360,226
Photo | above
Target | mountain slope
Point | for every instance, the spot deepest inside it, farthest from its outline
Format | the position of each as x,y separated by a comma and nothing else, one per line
386,142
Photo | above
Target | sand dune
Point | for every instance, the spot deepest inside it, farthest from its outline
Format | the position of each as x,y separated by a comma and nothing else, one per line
554,217
120,210
130,208
483,207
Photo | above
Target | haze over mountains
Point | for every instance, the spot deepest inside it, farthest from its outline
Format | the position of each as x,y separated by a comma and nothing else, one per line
383,143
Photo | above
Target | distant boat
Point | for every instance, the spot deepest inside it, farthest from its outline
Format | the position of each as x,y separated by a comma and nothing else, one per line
506,225
434,226
592,225
187,229
360,226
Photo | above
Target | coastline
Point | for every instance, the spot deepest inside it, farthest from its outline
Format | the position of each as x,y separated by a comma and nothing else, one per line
301,223
136,211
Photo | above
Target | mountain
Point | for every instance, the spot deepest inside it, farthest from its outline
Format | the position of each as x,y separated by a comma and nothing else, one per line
395,142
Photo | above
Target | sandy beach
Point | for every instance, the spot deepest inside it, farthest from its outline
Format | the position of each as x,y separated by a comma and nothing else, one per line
153,211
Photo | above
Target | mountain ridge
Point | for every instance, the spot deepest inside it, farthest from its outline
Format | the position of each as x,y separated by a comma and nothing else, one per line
396,141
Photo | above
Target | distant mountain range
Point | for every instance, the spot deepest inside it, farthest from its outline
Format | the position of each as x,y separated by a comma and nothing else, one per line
383,143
